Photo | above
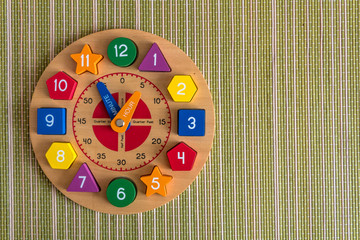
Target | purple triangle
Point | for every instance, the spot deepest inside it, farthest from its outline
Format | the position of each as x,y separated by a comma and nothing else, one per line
154,61
83,181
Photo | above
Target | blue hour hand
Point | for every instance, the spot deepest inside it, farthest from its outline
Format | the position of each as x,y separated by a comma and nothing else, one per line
111,105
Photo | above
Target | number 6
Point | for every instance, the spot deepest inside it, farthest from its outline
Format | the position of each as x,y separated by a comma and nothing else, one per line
121,192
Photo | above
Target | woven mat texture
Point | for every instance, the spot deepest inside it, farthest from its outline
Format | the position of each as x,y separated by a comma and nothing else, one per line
284,76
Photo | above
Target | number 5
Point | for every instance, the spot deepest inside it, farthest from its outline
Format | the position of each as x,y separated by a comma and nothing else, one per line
156,182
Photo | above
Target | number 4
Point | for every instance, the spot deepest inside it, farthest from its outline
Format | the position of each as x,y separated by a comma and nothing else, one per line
181,157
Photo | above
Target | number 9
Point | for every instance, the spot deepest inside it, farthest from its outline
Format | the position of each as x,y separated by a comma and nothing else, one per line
49,120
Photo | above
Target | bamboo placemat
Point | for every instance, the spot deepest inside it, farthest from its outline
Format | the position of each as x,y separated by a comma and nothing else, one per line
284,76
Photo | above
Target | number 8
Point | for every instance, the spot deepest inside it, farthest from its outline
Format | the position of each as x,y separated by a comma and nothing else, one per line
60,156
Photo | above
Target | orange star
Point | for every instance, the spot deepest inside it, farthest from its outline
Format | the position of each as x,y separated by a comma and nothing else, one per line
86,60
156,182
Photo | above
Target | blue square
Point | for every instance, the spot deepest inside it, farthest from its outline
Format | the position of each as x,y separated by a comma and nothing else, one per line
191,122
51,121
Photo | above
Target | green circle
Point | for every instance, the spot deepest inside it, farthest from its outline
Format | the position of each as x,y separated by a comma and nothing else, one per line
122,52
121,192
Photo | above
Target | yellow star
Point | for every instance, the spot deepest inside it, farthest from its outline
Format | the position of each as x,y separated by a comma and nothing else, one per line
156,182
86,60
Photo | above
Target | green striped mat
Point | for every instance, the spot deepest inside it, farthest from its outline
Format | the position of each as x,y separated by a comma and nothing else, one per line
285,82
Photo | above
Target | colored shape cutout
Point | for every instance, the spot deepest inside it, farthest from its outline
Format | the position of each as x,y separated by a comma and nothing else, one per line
51,121
182,88
83,181
121,192
156,182
181,157
154,61
191,122
61,86
86,60
122,51
61,155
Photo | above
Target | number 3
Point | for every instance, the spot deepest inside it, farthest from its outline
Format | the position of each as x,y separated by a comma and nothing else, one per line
192,124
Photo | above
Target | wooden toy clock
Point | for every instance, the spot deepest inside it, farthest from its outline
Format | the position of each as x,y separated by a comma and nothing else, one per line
121,121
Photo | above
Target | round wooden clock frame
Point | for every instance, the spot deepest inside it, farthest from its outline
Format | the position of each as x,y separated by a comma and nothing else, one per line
180,64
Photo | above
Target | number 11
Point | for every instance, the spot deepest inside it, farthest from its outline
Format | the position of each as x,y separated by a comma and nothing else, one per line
87,60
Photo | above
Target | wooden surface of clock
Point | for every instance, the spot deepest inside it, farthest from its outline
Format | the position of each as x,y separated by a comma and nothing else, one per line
121,121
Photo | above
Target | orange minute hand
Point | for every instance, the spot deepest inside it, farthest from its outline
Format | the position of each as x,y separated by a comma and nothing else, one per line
122,119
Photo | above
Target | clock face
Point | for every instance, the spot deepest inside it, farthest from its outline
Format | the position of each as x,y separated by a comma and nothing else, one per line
148,132
121,121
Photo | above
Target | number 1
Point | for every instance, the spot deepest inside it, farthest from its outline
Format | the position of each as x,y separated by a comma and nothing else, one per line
154,59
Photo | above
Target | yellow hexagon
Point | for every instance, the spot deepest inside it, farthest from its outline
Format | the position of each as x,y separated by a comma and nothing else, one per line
61,155
182,88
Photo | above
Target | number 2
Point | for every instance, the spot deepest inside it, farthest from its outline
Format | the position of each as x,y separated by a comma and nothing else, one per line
180,92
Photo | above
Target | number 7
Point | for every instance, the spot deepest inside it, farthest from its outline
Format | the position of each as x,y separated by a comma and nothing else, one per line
83,180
